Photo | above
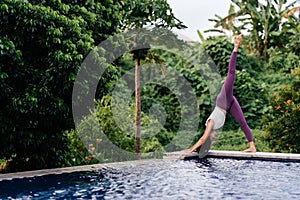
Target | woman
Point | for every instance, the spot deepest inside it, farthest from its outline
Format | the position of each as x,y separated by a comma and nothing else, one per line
225,103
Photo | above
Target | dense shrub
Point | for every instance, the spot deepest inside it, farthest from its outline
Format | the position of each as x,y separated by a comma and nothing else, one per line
282,124
282,61
45,43
173,74
110,136
236,141
42,44
219,49
252,96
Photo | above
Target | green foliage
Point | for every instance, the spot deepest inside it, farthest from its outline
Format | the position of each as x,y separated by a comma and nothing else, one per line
219,49
277,69
42,43
282,124
140,13
282,62
189,65
235,140
252,96
290,33
78,153
157,13
158,95
263,21
110,140
137,14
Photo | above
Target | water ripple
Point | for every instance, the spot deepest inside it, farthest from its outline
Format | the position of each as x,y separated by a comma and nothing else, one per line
205,179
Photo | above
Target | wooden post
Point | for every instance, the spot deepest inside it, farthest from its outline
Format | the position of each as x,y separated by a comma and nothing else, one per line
137,111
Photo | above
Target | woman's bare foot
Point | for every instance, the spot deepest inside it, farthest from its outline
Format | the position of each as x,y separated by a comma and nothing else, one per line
251,149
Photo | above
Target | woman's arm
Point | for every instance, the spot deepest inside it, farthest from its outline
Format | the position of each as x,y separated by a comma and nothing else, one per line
208,130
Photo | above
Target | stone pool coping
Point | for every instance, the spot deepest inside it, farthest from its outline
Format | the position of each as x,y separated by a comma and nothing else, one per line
289,157
42,172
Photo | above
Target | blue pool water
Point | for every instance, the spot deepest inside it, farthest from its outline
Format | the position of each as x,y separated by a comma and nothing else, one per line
206,179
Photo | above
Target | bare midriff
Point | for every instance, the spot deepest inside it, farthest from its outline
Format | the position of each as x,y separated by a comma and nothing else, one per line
223,110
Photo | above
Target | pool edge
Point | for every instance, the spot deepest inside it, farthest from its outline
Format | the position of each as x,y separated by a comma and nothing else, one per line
43,172
291,157
179,155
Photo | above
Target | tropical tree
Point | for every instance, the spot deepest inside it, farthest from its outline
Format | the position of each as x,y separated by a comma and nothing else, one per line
290,32
226,23
261,20
139,14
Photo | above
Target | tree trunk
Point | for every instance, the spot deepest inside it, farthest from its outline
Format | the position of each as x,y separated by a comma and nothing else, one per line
137,111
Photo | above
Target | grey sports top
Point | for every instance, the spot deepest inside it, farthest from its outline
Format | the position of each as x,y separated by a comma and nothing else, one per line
219,118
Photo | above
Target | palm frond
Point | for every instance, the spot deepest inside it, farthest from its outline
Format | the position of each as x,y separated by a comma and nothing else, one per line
214,30
201,37
291,12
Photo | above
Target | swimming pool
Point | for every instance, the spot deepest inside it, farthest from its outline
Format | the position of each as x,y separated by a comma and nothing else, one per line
211,178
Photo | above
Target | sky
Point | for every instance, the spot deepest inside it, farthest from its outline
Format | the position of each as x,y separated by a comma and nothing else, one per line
195,14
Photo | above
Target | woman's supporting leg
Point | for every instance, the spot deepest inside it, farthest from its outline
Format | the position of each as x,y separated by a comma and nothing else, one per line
238,115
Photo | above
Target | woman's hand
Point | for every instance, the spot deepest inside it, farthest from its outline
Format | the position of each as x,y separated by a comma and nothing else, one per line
190,150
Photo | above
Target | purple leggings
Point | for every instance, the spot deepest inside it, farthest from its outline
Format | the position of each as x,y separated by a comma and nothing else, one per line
228,102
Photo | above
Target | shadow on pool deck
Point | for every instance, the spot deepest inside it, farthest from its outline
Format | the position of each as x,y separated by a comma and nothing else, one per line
283,157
